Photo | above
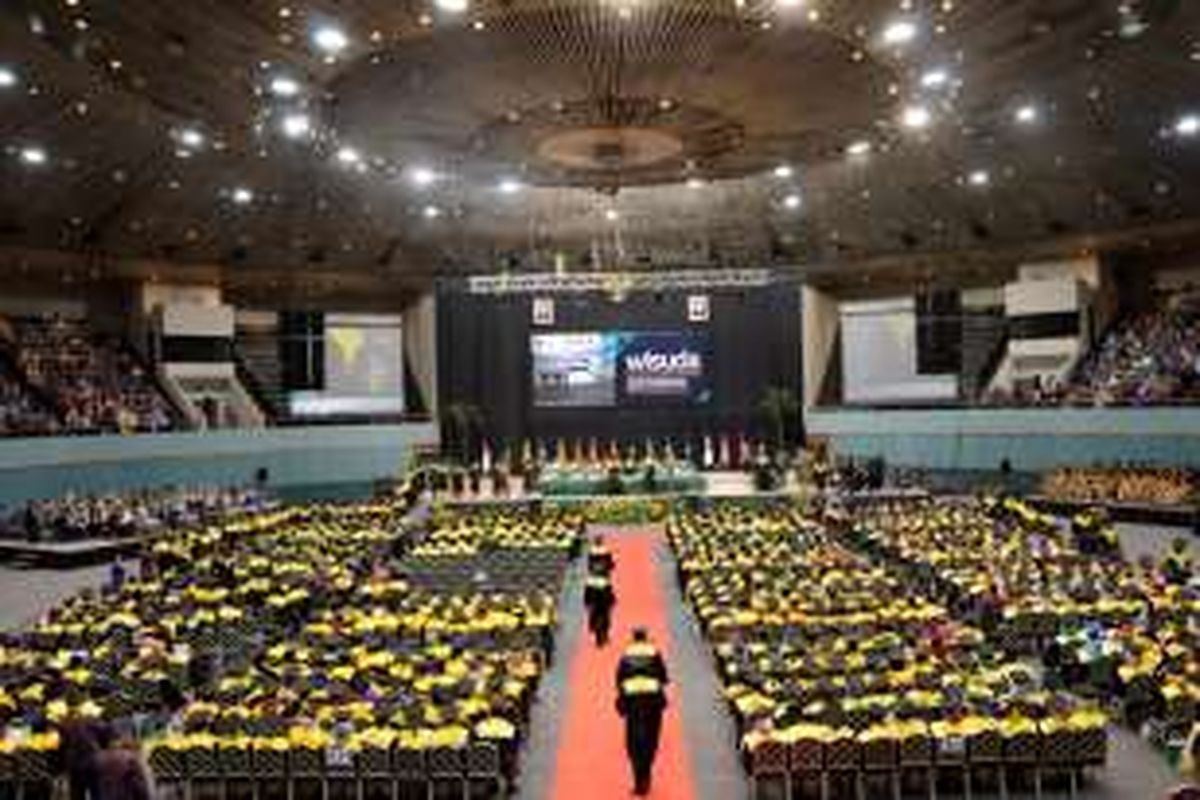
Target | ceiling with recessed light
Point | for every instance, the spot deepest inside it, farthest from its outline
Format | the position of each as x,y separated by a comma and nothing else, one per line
420,138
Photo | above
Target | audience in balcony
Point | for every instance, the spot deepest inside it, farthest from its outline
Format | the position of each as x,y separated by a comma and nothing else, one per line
20,413
97,386
1151,360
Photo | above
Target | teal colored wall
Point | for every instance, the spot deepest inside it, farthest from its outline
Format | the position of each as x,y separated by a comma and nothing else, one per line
1033,440
296,457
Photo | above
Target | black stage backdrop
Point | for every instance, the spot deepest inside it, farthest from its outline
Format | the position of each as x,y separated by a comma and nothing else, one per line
484,361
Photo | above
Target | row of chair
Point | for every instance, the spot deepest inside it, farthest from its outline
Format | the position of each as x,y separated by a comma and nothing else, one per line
776,768
330,787
480,763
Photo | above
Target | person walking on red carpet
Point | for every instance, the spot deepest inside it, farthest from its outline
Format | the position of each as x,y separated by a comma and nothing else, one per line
600,559
641,701
599,599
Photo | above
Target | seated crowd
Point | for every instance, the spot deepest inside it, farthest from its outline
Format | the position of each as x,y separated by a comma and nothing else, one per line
1153,485
20,413
294,633
93,383
905,635
1064,592
73,518
1152,358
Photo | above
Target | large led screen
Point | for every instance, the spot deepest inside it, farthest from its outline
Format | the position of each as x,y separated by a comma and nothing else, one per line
600,369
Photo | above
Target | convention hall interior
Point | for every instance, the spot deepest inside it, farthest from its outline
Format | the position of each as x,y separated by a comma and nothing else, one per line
593,399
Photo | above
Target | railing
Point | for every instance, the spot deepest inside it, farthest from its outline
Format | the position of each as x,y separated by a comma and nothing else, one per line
1006,404
46,402
258,393
992,363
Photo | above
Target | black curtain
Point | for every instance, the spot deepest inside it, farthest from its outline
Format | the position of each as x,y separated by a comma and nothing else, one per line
939,333
484,360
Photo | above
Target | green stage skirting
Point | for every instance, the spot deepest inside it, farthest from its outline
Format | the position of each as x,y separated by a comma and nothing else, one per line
560,482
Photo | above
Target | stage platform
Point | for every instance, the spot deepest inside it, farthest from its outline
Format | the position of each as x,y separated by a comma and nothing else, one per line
1177,516
717,484
69,554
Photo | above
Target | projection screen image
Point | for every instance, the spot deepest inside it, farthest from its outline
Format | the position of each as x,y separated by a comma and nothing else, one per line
879,355
364,368
574,370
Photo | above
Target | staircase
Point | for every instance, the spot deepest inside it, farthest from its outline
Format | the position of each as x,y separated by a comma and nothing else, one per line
41,401
984,340
261,372
831,385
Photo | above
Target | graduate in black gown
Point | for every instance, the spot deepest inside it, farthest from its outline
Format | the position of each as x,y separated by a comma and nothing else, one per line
641,701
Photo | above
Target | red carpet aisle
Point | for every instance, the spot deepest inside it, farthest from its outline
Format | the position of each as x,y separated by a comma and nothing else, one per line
591,762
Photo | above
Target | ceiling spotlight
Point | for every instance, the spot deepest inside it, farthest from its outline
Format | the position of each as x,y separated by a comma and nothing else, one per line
453,6
296,126
611,214
783,171
900,32
285,87
1133,21
34,156
510,186
858,149
348,156
791,202
8,78
916,117
190,137
1026,114
1188,125
935,79
330,39
422,176
979,178
242,196
431,212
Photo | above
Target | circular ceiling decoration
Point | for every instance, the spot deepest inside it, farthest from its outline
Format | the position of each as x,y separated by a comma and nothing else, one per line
610,150
609,144
406,136
575,98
